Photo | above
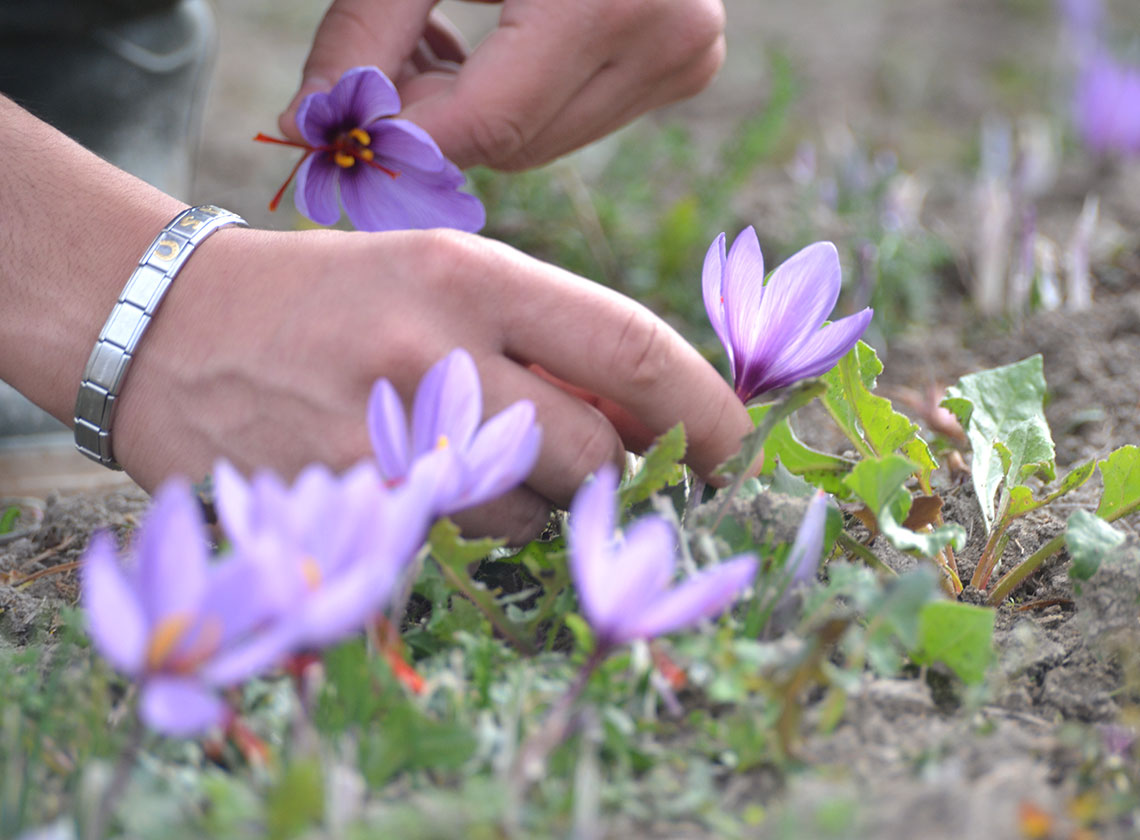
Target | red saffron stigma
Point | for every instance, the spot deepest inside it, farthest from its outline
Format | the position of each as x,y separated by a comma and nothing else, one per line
344,145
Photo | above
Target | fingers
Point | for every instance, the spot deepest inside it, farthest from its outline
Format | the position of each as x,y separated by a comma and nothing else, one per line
576,437
518,516
642,370
359,32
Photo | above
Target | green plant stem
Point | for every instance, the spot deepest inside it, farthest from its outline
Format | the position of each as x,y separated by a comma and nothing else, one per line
1013,578
852,545
990,555
97,828
486,604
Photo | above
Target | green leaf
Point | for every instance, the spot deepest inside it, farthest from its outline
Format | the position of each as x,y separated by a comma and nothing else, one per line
297,801
870,421
1021,499
893,617
659,467
1090,541
783,448
8,519
1120,472
408,740
1002,411
752,444
879,484
453,551
959,636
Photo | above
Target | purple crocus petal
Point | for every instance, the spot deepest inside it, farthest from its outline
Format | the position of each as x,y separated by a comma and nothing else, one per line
703,595
712,279
413,200
743,292
172,554
180,707
821,351
233,502
237,598
404,144
316,191
114,617
448,405
366,193
798,296
345,605
642,567
255,655
361,96
364,95
502,455
388,430
803,558
591,537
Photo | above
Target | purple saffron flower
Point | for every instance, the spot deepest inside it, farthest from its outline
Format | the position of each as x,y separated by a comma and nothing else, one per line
772,330
173,615
624,583
485,461
388,173
332,550
1108,106
803,559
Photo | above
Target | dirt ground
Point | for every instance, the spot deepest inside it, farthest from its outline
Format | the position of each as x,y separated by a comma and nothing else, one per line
918,758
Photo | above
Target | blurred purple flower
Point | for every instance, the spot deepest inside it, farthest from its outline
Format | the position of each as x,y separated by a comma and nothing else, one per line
485,461
772,330
172,616
803,559
1108,106
1082,16
623,583
389,173
332,550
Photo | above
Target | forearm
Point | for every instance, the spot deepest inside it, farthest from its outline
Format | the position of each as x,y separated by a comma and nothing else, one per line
72,227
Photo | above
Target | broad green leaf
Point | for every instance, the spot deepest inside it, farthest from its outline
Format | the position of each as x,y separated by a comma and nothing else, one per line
870,421
1002,411
452,550
752,444
959,636
408,740
785,449
879,484
1090,541
1021,499
893,618
659,467
1120,472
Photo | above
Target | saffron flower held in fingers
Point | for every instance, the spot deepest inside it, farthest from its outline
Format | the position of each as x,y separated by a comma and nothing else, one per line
388,173
172,616
774,331
625,583
485,460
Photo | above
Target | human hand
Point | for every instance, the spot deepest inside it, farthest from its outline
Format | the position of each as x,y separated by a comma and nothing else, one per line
268,344
553,75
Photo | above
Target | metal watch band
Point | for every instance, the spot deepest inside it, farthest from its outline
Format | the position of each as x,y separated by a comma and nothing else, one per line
119,339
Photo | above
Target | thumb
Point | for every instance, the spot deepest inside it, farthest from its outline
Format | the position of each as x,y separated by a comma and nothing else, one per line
354,33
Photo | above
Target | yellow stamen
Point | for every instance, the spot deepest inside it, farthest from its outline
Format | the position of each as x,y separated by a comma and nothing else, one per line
311,572
343,159
443,442
165,638
365,154
206,644
360,136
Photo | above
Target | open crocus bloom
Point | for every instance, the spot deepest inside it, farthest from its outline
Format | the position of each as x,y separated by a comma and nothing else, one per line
331,549
774,332
485,460
388,173
625,584
172,618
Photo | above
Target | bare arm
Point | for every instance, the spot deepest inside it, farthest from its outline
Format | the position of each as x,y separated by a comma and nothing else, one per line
268,343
